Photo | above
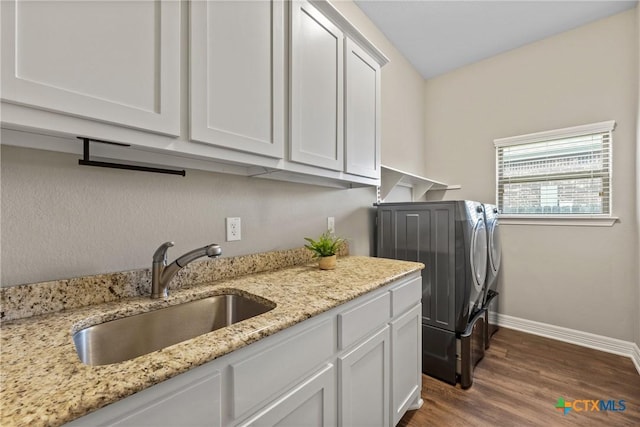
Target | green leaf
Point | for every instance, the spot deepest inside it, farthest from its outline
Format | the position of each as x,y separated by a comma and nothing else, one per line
326,245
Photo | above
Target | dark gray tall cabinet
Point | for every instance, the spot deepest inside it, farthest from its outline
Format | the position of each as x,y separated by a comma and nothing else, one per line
426,233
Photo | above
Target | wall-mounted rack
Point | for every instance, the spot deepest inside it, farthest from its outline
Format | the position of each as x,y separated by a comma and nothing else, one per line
390,178
86,160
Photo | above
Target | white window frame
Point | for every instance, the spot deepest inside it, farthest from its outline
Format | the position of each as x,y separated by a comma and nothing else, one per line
550,219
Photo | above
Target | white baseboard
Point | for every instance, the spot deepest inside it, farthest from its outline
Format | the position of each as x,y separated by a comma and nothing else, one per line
636,357
572,336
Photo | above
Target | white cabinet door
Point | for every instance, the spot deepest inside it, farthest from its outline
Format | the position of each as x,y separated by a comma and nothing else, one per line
112,61
311,403
190,399
364,383
316,89
272,370
362,115
406,362
237,81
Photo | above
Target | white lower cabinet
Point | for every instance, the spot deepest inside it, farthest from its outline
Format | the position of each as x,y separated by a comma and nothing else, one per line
190,399
271,370
312,403
406,354
364,383
358,364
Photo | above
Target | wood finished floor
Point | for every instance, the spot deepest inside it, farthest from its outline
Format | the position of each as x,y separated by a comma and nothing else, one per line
519,381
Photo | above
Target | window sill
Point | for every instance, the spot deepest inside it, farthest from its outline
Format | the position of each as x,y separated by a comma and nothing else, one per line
566,220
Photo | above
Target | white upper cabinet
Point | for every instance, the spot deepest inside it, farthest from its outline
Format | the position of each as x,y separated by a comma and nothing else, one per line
112,61
237,79
362,115
335,92
316,83
267,88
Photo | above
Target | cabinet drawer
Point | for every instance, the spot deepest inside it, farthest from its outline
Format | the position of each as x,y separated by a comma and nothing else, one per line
271,371
360,321
406,296
311,403
190,399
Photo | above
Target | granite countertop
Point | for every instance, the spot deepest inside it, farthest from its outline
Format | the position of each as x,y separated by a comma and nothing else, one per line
44,383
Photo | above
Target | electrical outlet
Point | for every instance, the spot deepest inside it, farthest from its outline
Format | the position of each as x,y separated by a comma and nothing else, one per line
234,229
331,224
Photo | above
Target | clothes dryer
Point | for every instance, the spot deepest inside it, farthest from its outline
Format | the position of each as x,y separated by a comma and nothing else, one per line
450,238
494,250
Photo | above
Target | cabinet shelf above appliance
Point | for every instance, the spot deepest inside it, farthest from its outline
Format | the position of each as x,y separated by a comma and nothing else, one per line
391,178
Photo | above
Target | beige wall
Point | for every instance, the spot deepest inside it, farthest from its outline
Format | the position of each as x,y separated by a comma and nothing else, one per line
583,278
402,99
59,220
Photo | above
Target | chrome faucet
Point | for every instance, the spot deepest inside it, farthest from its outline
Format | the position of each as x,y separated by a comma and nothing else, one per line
161,273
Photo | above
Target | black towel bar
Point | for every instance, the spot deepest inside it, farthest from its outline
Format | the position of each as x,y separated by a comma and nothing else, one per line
86,160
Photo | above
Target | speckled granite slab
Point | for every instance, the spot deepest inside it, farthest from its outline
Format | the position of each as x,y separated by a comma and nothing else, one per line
45,384
22,301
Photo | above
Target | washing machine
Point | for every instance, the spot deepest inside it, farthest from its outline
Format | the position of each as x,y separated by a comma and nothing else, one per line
494,252
450,238
494,249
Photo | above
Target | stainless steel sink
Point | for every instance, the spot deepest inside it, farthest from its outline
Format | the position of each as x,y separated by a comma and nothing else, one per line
133,336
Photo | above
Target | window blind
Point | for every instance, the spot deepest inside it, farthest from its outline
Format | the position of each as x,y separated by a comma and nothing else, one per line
563,172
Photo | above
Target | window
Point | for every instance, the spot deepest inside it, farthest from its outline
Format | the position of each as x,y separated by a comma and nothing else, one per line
564,172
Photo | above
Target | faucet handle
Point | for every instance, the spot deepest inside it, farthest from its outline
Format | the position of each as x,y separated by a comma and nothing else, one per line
214,250
160,255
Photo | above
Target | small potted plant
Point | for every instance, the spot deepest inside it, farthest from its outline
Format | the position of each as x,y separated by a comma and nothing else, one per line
325,249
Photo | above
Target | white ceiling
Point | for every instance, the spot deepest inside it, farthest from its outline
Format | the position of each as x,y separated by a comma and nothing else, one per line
439,36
